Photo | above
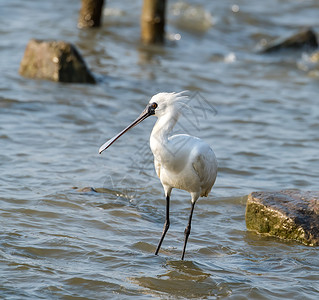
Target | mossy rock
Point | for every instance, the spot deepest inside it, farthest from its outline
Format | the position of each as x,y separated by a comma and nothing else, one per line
288,214
54,60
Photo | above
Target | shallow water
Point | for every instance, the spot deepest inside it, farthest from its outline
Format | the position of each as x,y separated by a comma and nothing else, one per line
259,112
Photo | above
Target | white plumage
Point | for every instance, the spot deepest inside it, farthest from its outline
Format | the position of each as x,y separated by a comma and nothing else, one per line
181,161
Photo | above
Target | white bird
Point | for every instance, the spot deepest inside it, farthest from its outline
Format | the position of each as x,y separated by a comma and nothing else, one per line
181,161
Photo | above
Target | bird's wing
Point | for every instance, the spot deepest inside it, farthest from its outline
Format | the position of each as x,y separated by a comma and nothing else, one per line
199,166
205,166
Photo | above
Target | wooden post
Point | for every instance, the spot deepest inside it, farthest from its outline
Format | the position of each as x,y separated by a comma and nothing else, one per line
153,21
90,13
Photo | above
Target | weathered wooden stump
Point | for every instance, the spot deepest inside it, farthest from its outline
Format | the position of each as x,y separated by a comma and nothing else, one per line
301,40
153,21
90,13
288,214
54,60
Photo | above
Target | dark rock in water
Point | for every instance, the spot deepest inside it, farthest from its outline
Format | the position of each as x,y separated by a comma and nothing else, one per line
288,214
54,60
301,40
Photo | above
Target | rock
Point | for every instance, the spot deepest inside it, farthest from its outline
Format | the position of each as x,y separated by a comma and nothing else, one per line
54,60
288,214
300,40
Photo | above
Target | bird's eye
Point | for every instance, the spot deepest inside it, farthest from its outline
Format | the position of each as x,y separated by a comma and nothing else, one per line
154,105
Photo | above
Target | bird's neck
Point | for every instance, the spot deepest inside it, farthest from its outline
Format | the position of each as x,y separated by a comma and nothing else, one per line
159,138
163,126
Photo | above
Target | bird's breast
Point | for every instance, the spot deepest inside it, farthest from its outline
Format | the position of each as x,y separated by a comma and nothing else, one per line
174,153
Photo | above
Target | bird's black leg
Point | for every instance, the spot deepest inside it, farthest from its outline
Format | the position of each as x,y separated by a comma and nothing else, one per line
166,226
188,229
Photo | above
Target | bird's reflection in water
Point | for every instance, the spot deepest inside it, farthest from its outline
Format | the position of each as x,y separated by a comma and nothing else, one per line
182,279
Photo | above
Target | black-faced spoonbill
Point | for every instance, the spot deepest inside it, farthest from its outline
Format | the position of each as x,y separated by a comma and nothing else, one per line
181,161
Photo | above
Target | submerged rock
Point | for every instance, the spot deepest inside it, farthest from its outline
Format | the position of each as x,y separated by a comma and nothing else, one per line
86,189
89,189
302,39
288,214
54,60
310,63
191,17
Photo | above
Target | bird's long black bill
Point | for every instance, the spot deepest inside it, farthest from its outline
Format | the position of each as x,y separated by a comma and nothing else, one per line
141,118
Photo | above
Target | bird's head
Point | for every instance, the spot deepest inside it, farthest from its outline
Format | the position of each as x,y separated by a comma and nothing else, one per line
167,103
159,105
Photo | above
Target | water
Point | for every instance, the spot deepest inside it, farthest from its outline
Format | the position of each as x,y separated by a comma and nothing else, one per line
259,113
